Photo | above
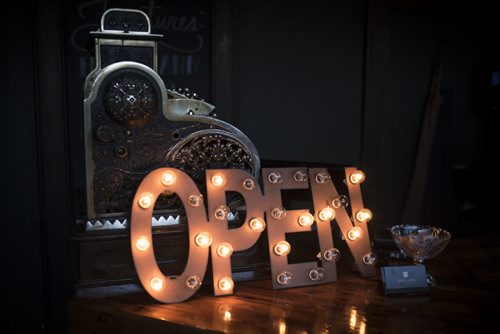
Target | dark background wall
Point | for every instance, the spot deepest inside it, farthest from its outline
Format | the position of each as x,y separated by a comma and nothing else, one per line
335,82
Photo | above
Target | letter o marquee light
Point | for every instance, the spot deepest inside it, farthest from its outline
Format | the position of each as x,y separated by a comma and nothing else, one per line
162,288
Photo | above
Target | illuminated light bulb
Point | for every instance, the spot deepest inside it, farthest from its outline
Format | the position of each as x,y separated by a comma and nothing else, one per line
142,244
364,215
249,184
317,274
327,214
357,177
193,282
195,200
225,250
222,212
369,259
282,248
257,224
203,239
168,178
156,283
283,278
306,219
331,254
278,213
341,201
218,180
146,200
322,178
354,233
300,176
225,284
275,177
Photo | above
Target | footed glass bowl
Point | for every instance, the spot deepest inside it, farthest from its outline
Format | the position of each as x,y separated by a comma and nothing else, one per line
421,242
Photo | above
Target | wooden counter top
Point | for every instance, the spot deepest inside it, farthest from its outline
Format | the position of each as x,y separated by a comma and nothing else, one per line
465,301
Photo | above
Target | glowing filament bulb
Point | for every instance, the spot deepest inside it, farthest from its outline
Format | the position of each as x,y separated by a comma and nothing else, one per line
354,233
225,250
156,283
282,248
257,224
142,244
218,180
306,219
146,200
327,214
168,178
203,239
364,215
357,177
225,284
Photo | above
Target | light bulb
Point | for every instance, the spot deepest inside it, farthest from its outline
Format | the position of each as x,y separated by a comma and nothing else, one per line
317,274
300,176
327,214
354,233
278,213
249,184
156,283
306,219
222,212
195,200
275,177
257,224
357,177
369,259
218,180
203,239
193,282
146,200
341,201
225,284
142,244
282,248
322,178
364,215
331,254
225,250
283,278
168,178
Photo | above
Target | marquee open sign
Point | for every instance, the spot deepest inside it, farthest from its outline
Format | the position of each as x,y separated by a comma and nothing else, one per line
209,232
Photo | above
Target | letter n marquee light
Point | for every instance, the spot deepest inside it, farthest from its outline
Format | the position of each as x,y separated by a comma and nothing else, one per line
208,229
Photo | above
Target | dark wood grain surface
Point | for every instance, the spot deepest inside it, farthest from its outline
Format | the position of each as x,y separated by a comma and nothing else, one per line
465,301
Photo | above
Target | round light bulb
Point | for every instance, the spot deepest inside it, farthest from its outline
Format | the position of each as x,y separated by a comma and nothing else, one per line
282,248
357,177
370,259
257,224
218,180
354,233
195,200
156,283
225,250
142,244
222,212
168,178
306,219
225,284
146,200
193,282
283,278
203,239
331,254
278,213
317,274
322,178
364,215
300,176
249,184
275,177
327,214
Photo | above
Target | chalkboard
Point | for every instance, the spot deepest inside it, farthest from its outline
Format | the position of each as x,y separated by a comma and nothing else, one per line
183,58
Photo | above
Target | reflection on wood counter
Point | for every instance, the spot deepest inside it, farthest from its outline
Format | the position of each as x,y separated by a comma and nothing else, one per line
465,301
